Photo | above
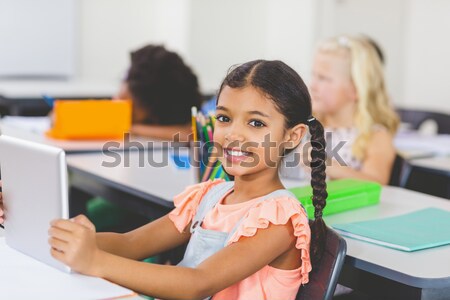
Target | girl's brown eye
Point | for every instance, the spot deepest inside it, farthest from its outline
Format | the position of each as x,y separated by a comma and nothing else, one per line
222,118
256,123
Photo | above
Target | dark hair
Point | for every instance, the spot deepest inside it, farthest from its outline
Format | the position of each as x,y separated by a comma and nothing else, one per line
162,84
286,89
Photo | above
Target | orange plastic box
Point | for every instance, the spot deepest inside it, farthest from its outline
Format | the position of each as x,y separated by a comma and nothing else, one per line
90,119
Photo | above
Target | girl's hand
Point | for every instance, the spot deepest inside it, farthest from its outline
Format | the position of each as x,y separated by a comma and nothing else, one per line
73,242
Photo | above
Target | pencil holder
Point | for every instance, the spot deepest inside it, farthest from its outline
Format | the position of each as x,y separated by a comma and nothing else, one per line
203,151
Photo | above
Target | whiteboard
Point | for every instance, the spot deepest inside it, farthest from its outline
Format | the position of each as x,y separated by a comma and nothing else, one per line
37,38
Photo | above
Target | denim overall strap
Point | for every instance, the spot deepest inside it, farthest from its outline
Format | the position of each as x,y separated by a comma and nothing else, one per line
212,197
274,194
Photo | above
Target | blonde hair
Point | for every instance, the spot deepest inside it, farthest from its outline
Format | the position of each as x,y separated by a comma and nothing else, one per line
373,106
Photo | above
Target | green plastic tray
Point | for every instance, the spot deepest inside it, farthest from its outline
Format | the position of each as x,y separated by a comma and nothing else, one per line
343,195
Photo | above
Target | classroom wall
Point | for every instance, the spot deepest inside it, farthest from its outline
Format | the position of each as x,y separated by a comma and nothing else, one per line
223,33
213,34
426,81
110,29
40,41
210,34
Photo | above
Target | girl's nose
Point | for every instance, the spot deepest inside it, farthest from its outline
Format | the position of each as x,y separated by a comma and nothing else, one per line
234,135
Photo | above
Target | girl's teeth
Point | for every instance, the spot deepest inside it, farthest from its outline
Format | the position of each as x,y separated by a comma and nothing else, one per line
237,153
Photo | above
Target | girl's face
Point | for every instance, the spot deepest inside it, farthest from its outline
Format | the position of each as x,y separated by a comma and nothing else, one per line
250,132
331,86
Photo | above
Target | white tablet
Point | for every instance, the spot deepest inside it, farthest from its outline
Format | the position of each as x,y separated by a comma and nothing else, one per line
35,191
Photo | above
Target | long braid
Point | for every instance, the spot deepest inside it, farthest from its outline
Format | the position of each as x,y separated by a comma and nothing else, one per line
319,187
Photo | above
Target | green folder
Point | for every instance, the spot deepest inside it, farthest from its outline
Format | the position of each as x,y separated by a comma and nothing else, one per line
343,195
426,228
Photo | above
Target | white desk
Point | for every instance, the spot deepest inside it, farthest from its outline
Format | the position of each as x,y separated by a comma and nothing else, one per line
147,190
41,281
439,164
149,172
414,145
19,95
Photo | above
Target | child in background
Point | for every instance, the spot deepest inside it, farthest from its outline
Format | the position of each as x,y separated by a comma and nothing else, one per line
248,239
349,97
163,90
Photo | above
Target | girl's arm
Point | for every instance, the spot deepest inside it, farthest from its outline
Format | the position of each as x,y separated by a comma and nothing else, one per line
73,243
163,132
148,240
377,165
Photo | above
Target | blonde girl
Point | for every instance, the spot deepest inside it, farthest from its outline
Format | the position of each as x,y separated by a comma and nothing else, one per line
349,97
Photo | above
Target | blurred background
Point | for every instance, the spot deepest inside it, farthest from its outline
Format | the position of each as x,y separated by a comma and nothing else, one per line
90,40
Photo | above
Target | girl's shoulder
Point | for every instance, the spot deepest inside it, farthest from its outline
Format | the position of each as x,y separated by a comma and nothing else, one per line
380,138
380,135
279,210
187,202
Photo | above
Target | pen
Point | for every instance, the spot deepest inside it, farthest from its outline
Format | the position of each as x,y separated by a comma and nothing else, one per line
210,134
194,122
49,100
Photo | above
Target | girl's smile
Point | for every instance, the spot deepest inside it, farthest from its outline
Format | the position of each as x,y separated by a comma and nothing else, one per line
235,155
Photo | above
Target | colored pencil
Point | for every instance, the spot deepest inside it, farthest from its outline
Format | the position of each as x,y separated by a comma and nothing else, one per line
194,122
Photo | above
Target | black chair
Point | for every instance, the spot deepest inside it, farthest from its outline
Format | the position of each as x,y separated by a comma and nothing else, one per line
400,172
324,275
417,117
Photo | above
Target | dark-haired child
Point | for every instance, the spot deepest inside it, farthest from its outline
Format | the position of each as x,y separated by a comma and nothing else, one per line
163,90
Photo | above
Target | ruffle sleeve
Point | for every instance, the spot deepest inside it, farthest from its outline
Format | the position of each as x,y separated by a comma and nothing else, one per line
279,211
186,203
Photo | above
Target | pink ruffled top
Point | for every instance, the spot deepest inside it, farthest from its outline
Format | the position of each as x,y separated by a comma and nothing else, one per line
269,282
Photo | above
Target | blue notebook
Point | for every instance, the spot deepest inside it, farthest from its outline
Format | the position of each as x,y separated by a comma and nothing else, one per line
426,228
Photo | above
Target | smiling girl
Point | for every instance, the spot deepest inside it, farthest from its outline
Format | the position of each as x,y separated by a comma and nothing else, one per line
247,239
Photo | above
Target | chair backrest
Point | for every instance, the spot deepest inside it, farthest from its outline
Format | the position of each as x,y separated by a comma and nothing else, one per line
416,118
400,172
324,275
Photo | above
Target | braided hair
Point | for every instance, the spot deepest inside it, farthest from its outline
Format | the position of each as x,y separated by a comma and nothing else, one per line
282,85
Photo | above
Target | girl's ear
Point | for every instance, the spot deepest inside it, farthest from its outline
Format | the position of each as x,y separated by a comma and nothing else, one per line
294,135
